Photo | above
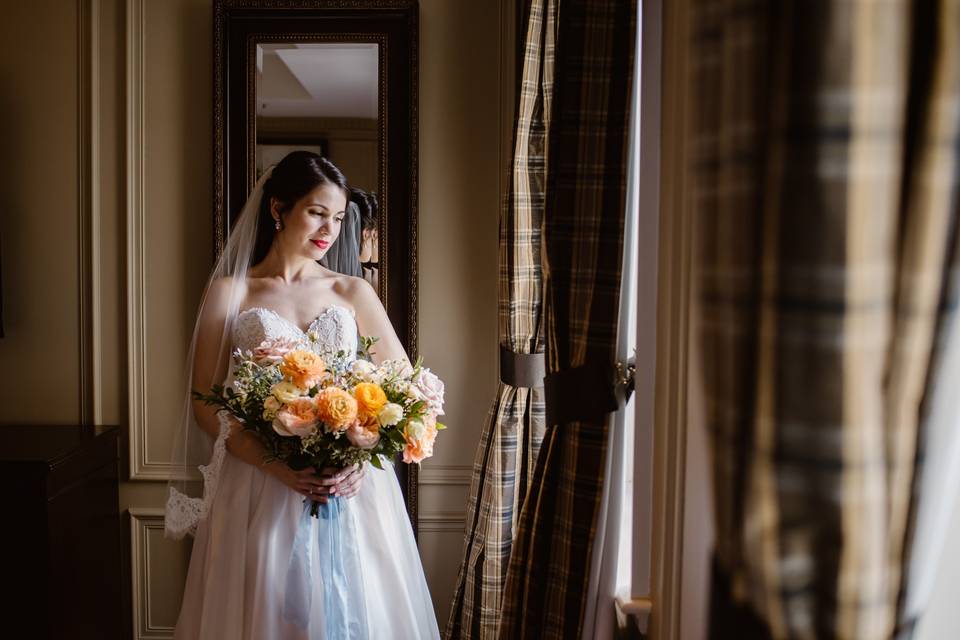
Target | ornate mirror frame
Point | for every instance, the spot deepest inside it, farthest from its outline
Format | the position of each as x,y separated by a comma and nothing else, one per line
238,26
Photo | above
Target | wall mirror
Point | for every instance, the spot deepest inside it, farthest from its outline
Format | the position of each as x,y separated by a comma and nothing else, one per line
338,78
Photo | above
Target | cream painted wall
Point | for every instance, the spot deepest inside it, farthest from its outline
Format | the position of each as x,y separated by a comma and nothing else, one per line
58,280
40,202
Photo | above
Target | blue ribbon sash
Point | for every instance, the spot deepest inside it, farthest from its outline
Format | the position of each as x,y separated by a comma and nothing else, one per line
344,607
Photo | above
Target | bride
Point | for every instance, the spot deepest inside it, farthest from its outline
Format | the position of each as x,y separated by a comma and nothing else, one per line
243,581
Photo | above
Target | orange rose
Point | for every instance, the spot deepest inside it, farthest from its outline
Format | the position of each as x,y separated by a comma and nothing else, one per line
336,408
370,399
304,368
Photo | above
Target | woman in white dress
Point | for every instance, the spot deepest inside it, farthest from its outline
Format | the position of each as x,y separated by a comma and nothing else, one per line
243,581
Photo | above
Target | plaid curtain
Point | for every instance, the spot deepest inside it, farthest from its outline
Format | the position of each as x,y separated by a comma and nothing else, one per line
824,158
511,436
583,234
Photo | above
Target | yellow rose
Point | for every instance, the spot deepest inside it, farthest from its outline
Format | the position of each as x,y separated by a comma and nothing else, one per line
336,408
370,399
304,368
286,392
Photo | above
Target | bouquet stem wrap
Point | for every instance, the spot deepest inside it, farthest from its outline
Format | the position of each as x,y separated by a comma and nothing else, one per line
345,614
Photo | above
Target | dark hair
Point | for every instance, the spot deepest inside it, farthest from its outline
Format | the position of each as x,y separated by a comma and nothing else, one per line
366,201
299,173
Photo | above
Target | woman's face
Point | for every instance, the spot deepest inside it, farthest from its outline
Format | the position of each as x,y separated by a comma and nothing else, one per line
311,226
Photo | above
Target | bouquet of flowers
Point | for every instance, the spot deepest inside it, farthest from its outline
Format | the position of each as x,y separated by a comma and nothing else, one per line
312,408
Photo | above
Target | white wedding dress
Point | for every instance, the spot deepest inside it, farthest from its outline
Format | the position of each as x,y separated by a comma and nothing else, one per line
235,588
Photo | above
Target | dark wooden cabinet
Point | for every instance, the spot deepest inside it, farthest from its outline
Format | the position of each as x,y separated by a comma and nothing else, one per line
60,533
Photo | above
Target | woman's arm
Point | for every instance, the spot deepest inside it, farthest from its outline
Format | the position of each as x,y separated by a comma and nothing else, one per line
372,320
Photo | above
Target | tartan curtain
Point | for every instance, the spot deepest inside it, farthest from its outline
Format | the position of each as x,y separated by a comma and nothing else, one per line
824,157
583,233
514,428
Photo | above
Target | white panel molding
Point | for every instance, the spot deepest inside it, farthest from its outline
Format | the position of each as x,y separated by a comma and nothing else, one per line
88,189
455,474
141,466
142,520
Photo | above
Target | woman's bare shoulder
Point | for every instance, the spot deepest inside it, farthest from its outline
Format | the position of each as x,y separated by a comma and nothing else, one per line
354,289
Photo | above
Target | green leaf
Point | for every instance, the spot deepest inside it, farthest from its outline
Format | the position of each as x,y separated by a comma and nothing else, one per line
375,461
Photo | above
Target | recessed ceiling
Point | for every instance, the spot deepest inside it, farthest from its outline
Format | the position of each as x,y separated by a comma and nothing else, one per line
337,80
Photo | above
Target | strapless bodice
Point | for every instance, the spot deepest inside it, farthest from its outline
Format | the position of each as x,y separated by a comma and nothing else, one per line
335,329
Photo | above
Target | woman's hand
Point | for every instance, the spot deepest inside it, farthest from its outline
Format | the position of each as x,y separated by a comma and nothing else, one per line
330,482
346,480
306,482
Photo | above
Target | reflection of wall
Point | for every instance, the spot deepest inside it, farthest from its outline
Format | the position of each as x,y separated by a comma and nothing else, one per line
43,232
352,143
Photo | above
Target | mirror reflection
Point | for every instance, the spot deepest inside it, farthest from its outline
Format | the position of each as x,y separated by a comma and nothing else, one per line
324,98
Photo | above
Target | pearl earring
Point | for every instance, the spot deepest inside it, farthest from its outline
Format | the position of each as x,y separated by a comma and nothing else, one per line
276,225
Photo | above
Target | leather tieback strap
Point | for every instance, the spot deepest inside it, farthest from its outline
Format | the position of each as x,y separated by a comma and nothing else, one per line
587,393
521,369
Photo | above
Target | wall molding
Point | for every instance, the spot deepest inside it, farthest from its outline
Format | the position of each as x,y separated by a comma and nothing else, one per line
142,521
89,214
442,522
141,466
454,474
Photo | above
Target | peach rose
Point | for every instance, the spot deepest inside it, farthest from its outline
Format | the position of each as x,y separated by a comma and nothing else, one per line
431,388
363,435
337,408
304,368
420,436
273,351
299,418
370,399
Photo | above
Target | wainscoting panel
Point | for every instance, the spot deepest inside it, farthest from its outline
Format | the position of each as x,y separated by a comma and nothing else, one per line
159,568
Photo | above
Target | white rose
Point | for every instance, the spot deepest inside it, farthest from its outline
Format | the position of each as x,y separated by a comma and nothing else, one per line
390,414
285,391
363,369
415,430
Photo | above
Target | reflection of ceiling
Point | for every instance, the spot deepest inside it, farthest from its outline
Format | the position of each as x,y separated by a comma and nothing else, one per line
337,80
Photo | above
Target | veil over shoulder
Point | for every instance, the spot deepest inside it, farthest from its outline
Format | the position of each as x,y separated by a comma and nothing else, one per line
198,456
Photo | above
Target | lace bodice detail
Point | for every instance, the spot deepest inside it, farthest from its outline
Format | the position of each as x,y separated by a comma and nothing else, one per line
335,329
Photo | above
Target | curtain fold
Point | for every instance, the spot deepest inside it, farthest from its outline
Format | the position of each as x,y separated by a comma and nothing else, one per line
825,141
583,232
513,431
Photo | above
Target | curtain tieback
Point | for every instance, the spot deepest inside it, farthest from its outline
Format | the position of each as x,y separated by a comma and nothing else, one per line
588,392
521,369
